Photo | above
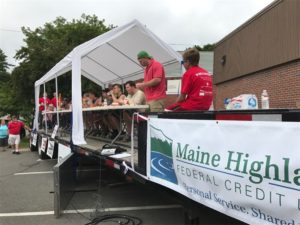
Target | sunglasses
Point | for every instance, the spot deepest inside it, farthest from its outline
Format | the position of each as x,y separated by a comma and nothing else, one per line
183,61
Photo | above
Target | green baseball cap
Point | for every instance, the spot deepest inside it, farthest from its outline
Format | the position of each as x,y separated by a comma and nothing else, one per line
143,54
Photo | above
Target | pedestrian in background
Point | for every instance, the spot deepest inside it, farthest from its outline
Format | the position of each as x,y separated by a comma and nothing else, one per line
3,135
14,129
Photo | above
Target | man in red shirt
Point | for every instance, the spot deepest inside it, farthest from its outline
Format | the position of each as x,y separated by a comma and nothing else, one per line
44,101
154,84
196,85
14,130
53,100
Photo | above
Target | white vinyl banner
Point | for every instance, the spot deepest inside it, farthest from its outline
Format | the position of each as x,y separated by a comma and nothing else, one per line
245,169
44,144
50,148
63,152
34,139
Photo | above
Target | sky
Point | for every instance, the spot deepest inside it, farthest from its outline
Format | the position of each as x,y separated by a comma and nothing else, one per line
180,23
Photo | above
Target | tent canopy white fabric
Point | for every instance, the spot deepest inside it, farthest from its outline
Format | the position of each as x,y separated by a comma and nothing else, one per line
109,58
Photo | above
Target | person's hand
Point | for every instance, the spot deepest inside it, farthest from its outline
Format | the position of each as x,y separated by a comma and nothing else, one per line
140,85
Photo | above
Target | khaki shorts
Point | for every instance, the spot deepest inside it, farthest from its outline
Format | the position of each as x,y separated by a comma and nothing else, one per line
14,139
157,105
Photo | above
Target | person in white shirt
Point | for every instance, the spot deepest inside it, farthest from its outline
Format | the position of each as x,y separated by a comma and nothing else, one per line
135,97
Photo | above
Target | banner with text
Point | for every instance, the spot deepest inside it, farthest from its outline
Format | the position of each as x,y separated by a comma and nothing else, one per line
248,170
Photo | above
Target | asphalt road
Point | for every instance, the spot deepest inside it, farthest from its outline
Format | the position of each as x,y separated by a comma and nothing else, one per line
26,197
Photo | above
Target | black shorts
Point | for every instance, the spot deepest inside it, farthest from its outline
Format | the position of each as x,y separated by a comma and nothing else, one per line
3,142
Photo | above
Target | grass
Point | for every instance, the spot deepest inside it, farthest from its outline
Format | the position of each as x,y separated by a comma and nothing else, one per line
24,142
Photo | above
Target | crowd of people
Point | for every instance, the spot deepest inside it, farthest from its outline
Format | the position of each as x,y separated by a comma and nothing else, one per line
10,133
196,94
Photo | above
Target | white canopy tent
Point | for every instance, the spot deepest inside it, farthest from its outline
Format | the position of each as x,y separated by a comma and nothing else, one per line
109,58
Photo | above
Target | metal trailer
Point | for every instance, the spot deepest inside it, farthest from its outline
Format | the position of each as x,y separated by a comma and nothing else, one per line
65,172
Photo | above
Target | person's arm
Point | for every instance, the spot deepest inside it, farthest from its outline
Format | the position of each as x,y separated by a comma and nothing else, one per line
120,100
26,127
181,98
155,81
98,102
114,99
139,98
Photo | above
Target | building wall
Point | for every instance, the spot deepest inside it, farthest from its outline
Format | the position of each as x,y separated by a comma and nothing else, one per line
272,37
281,82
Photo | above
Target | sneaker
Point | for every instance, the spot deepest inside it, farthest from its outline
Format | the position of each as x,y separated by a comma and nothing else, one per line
13,152
17,153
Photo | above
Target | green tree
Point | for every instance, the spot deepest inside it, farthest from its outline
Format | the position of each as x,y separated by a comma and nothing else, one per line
6,102
3,63
47,45
198,47
208,47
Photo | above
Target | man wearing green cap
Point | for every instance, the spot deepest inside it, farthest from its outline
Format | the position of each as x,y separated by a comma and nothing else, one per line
154,84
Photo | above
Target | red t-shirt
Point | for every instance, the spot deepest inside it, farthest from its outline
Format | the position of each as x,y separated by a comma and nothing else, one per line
197,85
14,127
53,102
155,70
41,100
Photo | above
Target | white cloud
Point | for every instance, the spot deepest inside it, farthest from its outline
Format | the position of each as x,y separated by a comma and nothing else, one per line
177,22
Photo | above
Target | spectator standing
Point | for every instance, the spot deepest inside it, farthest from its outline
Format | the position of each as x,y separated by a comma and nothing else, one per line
154,84
44,101
3,135
196,85
14,129
53,100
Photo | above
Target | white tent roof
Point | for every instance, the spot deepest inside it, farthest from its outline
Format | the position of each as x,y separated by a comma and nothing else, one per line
110,58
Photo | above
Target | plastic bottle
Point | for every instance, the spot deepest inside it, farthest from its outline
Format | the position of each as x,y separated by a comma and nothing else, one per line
105,102
265,100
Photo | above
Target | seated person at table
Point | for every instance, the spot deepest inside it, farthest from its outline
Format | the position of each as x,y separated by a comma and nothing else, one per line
88,100
85,100
113,118
92,99
65,104
48,117
90,117
54,100
65,117
99,101
196,87
135,97
117,95
100,119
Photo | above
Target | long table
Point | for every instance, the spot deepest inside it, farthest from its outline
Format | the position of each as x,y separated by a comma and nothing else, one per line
106,108
101,108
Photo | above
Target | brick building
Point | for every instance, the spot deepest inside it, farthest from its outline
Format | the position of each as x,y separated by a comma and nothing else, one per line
263,53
